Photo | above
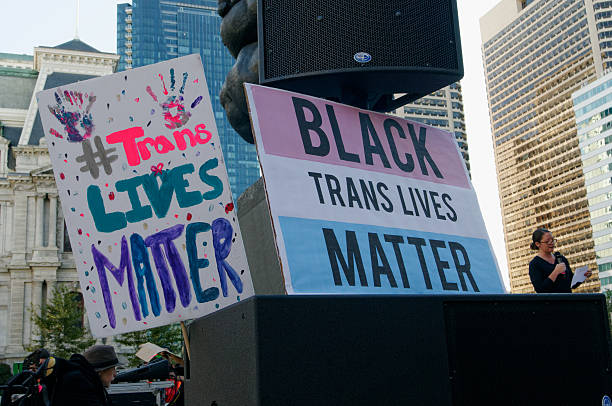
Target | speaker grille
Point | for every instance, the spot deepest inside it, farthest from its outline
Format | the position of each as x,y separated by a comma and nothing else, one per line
535,343
320,35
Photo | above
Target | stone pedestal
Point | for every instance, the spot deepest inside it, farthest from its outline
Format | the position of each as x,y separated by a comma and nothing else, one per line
256,229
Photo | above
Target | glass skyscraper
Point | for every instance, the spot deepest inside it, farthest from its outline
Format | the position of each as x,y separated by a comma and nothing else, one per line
150,31
593,110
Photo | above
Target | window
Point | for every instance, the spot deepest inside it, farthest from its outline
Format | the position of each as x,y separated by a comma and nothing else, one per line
67,246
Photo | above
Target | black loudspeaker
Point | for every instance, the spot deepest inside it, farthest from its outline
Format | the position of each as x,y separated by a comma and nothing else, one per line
352,50
403,350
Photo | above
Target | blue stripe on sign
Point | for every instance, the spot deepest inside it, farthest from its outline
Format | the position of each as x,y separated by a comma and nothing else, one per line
333,257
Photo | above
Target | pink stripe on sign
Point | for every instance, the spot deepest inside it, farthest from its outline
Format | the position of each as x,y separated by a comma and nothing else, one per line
297,126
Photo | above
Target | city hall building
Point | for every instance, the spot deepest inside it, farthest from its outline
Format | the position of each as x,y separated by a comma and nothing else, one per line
35,253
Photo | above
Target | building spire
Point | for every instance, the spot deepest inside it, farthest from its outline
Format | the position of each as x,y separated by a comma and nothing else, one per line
76,31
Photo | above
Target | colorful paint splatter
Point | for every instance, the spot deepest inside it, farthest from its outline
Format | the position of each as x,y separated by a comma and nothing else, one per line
76,117
173,108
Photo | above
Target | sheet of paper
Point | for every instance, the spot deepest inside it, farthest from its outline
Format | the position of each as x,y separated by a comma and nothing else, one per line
149,350
579,275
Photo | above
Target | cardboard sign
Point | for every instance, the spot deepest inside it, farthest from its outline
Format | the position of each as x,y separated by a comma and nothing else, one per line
144,191
366,203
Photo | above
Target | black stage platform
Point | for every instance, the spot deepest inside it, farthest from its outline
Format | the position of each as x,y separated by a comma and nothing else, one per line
403,350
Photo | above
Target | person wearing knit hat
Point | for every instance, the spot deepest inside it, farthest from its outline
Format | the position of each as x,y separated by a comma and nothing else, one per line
88,378
35,359
104,360
42,356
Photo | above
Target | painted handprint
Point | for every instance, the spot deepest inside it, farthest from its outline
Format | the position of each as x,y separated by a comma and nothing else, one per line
173,107
76,118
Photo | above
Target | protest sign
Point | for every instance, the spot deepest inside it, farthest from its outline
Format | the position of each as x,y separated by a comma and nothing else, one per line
366,203
145,195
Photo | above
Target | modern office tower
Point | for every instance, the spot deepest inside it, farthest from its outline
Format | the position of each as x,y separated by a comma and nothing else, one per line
593,110
150,31
536,54
442,109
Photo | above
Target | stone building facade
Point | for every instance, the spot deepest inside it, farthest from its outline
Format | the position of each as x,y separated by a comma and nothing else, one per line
35,253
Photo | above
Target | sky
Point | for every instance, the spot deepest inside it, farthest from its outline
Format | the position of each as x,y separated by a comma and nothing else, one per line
30,23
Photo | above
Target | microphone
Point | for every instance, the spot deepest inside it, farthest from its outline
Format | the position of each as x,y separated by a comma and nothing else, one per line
558,259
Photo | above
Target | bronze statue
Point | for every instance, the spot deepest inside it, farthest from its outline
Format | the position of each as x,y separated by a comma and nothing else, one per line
239,35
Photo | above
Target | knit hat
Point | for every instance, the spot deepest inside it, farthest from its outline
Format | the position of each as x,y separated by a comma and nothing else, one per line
101,357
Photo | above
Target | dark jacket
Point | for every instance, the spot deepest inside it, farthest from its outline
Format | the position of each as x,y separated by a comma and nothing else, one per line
539,269
79,384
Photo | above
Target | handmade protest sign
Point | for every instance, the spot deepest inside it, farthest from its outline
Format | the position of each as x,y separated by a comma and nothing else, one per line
145,195
366,203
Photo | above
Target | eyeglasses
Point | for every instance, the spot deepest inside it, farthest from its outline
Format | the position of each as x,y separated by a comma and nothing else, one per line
550,242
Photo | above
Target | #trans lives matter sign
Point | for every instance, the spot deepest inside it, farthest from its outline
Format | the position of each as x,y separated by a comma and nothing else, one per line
366,203
145,195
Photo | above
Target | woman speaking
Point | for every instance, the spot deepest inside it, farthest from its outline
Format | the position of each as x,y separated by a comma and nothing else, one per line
549,273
